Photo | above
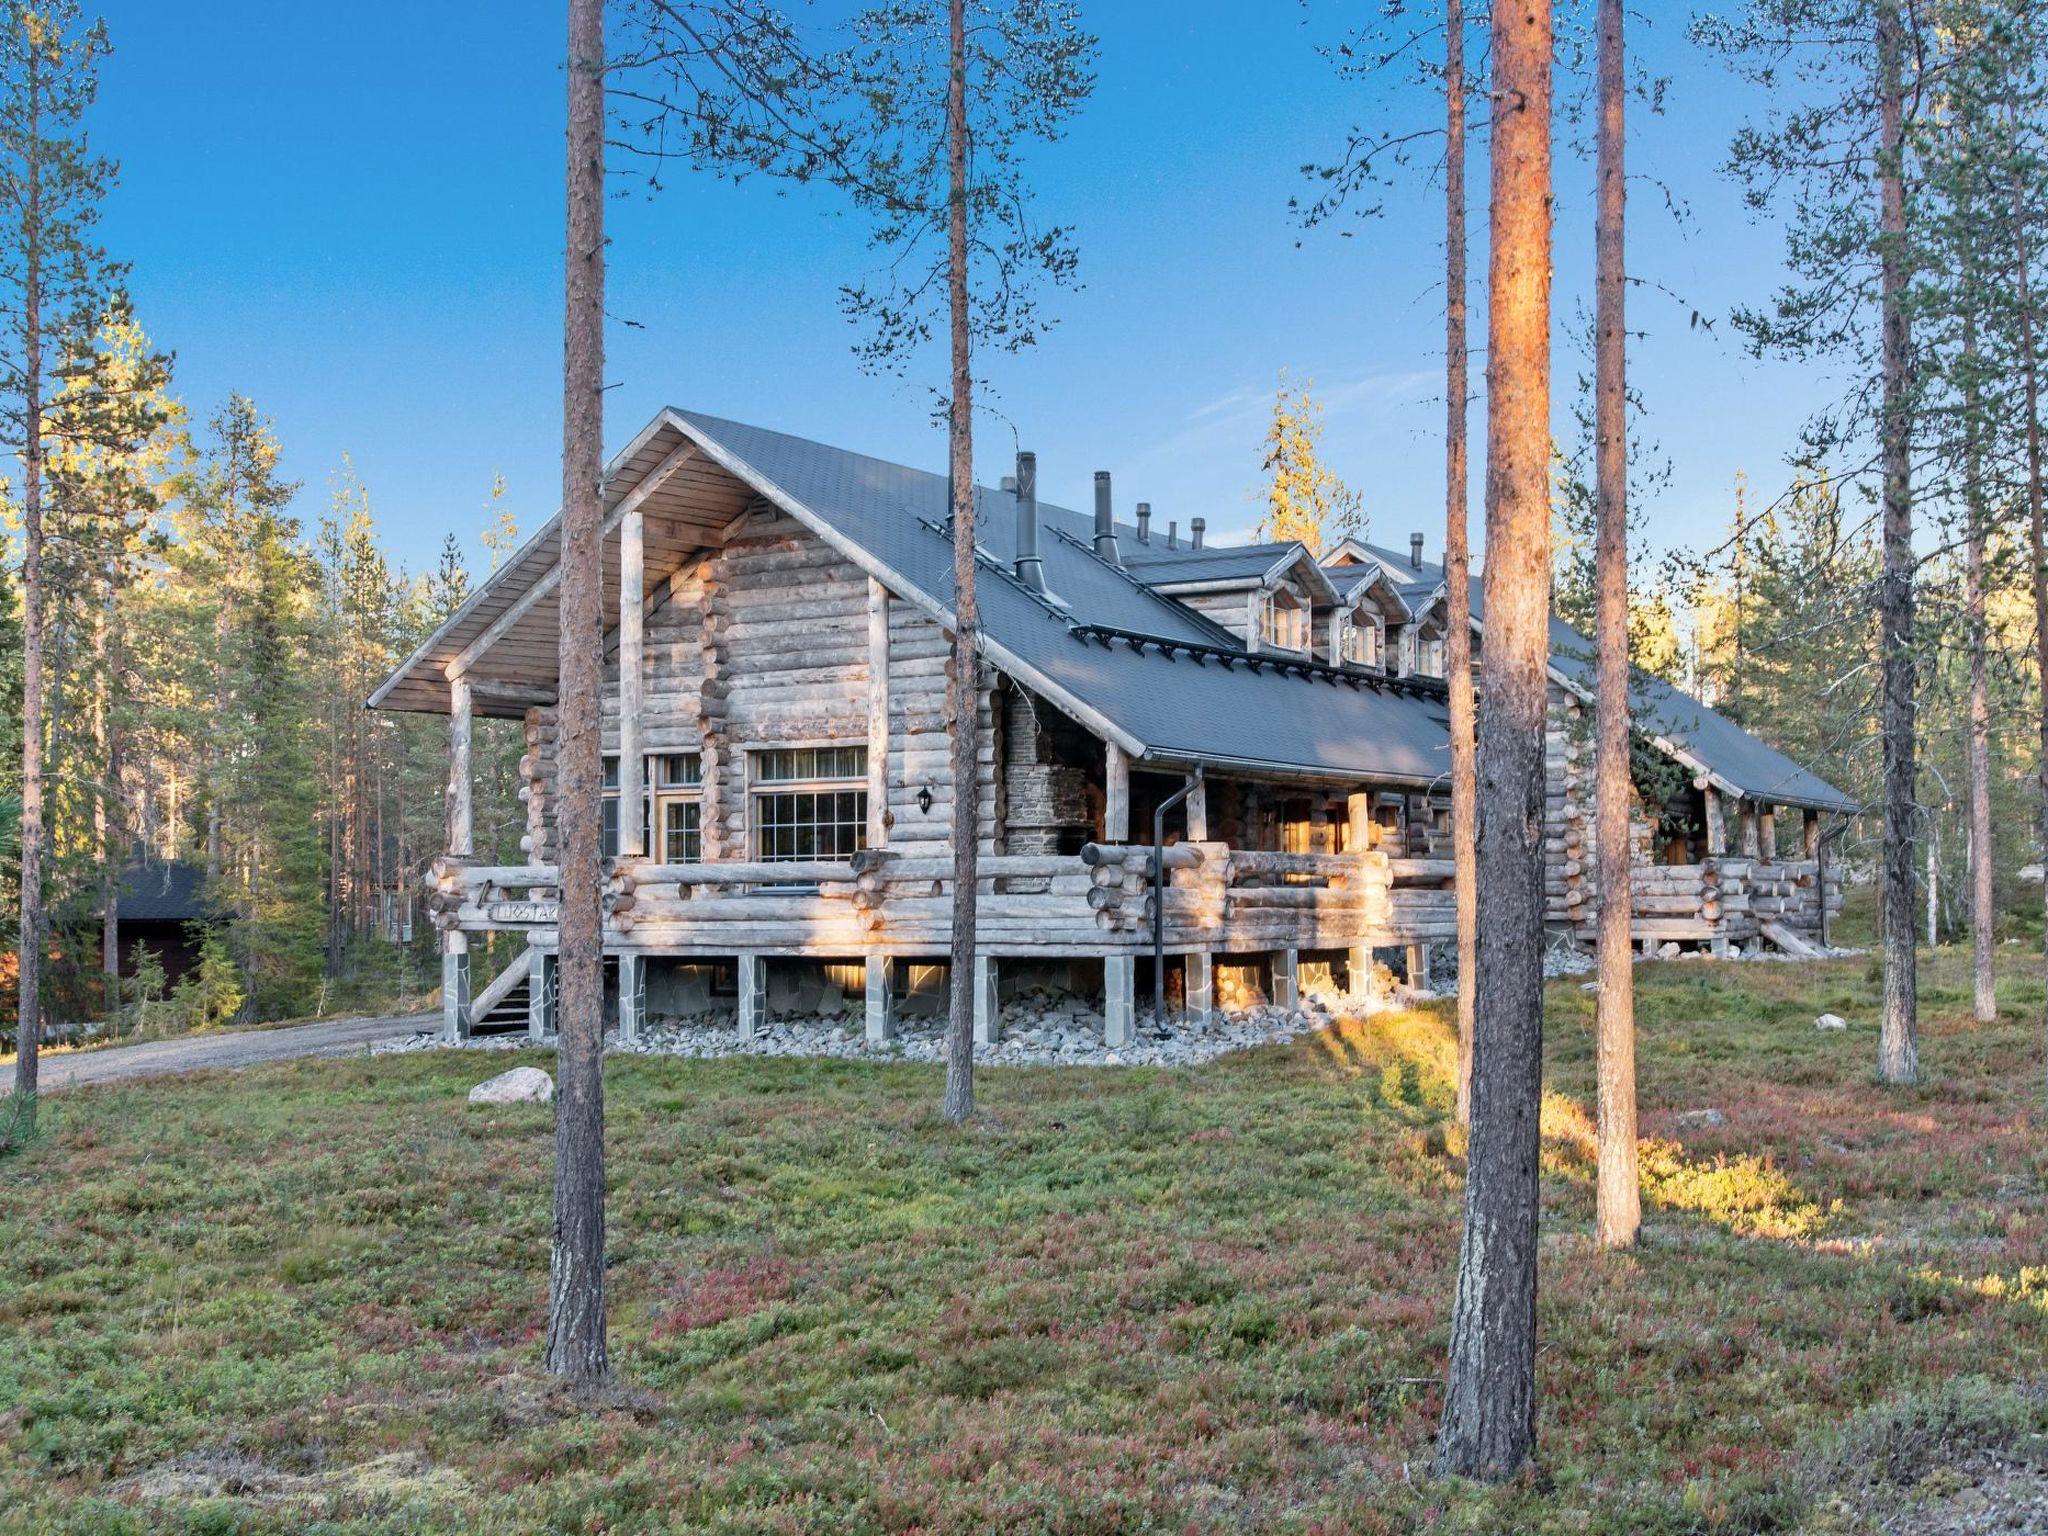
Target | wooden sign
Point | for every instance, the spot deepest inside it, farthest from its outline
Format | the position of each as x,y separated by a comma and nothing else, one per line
548,912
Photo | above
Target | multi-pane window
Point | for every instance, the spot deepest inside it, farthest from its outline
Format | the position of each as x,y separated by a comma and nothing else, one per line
608,835
1361,643
809,802
678,779
1429,658
1284,625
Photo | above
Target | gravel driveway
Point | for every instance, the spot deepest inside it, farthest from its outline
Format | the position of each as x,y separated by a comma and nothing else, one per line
225,1052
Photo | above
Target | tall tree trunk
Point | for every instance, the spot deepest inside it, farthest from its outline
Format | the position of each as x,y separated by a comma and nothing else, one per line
1458,552
1898,1047
1489,1418
576,1305
29,1038
964,684
2037,536
1618,1206
1983,916
114,843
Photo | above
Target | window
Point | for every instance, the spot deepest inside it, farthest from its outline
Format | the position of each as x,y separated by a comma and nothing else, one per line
608,833
678,807
1429,658
810,803
1284,622
1361,642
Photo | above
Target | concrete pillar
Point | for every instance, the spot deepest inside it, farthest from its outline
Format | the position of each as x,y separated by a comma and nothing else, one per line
988,1004
1418,967
1200,987
461,788
1358,965
1287,978
632,997
1119,1006
881,1006
753,995
540,994
632,650
455,1018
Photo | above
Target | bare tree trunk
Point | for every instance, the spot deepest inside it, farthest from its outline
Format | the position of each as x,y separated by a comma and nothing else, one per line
1898,1048
576,1307
29,1038
114,844
1983,916
1489,1419
2037,536
1457,550
1618,1206
963,686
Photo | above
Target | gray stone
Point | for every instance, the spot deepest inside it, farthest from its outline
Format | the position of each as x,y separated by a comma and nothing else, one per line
1831,1021
1701,1120
521,1085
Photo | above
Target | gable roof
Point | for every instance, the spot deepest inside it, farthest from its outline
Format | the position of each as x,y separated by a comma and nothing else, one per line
1181,568
170,892
1137,667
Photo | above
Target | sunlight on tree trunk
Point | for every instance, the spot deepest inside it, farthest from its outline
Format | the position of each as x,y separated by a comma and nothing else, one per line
1457,551
1618,1210
1489,1415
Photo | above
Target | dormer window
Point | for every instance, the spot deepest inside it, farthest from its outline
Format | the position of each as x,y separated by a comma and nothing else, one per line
1283,622
1429,657
1361,645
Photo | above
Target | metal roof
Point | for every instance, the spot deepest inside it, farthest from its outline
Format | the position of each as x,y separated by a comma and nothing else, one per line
164,893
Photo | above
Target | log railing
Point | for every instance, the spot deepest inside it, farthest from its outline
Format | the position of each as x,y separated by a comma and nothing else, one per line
1217,898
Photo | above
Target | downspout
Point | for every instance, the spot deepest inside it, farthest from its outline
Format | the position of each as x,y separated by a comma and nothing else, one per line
1159,894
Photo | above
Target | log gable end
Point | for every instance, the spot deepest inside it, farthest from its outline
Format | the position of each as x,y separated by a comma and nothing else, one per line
776,640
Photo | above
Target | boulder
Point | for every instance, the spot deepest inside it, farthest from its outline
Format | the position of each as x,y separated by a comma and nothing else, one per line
1831,1021
1670,950
522,1085
1701,1120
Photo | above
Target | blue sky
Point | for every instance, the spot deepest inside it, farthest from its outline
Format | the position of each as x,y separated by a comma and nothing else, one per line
353,214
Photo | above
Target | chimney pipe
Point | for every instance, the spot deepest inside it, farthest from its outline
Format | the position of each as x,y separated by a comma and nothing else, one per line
1105,527
1030,569
1196,526
1010,484
1144,522
1173,535
1415,550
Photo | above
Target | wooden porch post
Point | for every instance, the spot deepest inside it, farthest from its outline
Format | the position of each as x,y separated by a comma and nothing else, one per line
1116,812
1197,804
878,715
1809,834
1358,811
461,793
880,1006
1767,832
988,1006
1748,813
632,685
1717,823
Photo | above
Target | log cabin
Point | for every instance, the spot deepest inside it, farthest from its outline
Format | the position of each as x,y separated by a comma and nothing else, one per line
1206,772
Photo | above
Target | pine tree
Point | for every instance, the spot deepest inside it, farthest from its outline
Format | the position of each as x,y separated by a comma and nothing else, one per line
1489,1415
56,280
932,78
1305,499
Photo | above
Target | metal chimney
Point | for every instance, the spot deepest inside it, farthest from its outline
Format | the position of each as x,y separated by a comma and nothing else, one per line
1144,522
1196,526
1415,550
1105,527
1173,535
1030,568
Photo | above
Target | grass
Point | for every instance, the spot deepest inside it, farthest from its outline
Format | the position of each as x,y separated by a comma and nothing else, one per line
311,1296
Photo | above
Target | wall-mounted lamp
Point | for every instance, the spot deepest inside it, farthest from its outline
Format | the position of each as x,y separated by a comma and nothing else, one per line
924,799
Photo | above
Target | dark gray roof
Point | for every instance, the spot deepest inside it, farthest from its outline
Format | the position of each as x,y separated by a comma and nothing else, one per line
1414,582
1159,566
1714,741
1180,709
166,893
